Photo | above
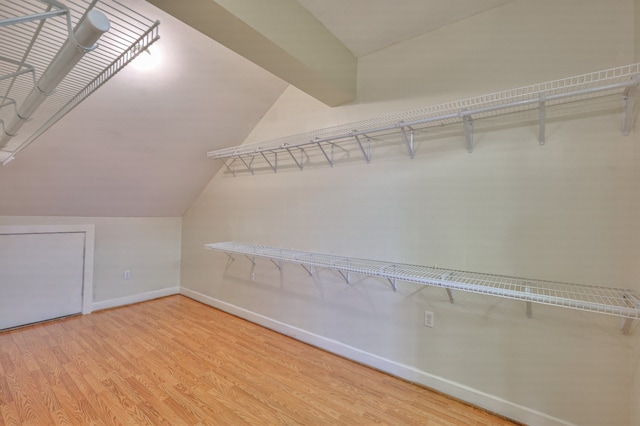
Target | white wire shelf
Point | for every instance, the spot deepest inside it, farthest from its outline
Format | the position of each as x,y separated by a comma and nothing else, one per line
620,82
32,32
624,303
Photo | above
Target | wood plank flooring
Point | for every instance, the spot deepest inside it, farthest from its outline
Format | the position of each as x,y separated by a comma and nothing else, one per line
174,361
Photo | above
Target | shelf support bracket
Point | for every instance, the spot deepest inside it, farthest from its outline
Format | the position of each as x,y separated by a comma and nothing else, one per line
527,290
248,166
253,267
230,260
273,166
408,140
347,276
309,270
443,279
278,264
228,166
450,294
629,107
329,159
392,281
365,152
542,117
468,130
298,163
626,325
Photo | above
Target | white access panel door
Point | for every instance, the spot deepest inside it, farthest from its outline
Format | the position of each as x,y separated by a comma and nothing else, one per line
41,276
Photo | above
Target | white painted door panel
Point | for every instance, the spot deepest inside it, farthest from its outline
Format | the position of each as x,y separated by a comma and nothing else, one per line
41,277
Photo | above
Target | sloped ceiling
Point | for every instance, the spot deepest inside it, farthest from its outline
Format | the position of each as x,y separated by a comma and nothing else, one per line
365,26
137,146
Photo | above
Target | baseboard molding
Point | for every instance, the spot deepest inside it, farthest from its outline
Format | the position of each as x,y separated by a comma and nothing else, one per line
135,298
440,384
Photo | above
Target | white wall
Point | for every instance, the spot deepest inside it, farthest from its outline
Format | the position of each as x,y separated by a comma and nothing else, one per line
564,211
637,27
148,247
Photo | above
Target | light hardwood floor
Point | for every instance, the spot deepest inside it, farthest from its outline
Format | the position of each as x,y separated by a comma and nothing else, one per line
174,361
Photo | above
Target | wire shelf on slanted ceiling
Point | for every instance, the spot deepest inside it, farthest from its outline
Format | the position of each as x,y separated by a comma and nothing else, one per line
32,32
624,303
620,83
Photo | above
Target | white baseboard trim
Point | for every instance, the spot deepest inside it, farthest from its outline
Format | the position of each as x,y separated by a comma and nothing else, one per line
440,384
135,298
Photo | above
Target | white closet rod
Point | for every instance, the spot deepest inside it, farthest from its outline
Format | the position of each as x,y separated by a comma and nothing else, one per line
77,45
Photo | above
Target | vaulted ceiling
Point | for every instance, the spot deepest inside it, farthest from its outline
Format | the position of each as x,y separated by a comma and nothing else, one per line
137,146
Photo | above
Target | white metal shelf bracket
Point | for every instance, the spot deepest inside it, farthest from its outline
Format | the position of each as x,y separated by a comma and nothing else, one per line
273,166
632,302
409,141
366,152
248,166
228,166
329,158
392,280
230,259
444,281
468,130
298,163
629,107
622,303
542,117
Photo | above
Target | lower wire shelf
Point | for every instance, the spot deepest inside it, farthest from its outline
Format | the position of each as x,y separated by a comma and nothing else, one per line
624,303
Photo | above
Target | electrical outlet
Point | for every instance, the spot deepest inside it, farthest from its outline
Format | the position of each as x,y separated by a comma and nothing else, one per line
428,318
127,274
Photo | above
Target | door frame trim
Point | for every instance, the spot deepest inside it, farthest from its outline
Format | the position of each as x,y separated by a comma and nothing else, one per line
89,248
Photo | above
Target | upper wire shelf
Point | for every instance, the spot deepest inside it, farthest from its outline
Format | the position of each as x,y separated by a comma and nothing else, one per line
601,84
31,34
618,302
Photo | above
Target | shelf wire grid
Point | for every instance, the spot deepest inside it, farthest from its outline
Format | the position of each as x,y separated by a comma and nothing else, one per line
563,91
34,44
618,302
